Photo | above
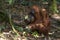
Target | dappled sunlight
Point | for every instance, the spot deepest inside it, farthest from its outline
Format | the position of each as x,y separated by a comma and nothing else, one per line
56,16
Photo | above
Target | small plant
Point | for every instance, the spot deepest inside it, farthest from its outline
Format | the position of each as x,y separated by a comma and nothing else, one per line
54,6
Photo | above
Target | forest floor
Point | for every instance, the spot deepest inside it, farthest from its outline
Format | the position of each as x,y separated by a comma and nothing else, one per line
11,36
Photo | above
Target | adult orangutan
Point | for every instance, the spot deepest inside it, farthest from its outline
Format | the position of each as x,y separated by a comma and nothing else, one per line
41,22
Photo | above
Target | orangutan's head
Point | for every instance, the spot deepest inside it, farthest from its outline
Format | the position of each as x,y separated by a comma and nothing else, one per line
35,8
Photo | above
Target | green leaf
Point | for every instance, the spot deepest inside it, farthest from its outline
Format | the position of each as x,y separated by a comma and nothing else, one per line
35,34
10,1
54,6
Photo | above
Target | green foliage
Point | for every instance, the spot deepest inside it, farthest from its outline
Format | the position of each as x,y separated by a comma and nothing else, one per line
54,6
6,17
3,17
2,27
10,2
20,29
58,0
35,34
24,3
44,0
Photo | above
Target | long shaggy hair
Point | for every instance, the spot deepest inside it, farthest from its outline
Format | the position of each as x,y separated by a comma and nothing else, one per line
41,23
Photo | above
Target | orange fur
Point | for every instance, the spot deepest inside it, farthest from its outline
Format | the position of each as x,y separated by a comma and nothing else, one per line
41,23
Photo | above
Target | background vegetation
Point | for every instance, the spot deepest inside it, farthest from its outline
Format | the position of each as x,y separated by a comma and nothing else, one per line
14,12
